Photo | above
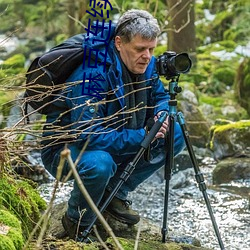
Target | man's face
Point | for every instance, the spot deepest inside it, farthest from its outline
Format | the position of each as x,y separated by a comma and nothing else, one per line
137,53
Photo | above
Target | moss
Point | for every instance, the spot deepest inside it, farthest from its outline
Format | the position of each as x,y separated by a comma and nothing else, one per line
13,239
22,200
16,237
212,100
13,71
220,131
236,125
6,243
8,219
225,75
16,61
128,244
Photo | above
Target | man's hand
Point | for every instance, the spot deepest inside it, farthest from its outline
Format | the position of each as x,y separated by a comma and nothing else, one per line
164,128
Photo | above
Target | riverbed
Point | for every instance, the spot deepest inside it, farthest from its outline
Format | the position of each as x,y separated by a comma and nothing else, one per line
187,212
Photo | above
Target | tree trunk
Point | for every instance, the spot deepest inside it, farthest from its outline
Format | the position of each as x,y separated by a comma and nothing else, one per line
82,8
181,27
72,13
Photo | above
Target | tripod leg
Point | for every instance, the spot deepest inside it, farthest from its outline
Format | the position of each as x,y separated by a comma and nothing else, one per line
168,173
199,177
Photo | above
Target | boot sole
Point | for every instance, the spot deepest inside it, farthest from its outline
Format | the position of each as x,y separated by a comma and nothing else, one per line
121,219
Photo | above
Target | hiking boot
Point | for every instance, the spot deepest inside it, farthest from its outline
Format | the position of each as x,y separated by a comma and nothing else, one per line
121,211
75,231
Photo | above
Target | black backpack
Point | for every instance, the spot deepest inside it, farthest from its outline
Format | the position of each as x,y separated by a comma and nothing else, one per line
48,73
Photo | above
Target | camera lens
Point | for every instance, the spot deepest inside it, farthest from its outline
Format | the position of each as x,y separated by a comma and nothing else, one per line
182,63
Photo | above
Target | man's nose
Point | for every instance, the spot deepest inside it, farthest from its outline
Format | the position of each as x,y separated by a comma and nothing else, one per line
146,54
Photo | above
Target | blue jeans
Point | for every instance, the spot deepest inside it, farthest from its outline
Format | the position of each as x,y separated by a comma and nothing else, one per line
100,170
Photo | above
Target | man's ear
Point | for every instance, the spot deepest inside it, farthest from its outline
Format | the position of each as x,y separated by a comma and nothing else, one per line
118,42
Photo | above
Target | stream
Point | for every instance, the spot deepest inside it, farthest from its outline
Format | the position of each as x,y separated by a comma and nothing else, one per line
187,212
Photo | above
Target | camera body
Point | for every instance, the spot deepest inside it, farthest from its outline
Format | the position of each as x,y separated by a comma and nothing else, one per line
171,65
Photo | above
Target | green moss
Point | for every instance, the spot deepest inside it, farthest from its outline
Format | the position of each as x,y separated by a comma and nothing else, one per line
212,100
225,75
14,234
16,61
13,71
22,200
16,237
6,243
9,219
228,45
236,125
239,128
128,244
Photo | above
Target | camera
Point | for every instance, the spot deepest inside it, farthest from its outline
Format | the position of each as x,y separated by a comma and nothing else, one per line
171,65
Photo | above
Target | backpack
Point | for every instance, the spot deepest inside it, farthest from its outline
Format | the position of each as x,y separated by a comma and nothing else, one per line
48,73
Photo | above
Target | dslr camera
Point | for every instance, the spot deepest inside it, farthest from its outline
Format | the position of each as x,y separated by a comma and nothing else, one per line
171,65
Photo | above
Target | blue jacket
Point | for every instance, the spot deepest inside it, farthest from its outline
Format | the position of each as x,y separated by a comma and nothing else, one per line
99,118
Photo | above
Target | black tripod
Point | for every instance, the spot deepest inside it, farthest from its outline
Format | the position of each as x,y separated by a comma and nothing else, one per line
173,90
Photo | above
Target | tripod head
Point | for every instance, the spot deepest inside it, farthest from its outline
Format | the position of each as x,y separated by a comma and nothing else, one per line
174,89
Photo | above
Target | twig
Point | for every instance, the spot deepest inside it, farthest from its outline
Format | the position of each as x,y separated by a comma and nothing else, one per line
99,238
66,154
137,236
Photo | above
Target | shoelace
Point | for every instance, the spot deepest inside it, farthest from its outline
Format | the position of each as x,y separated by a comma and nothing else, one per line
127,203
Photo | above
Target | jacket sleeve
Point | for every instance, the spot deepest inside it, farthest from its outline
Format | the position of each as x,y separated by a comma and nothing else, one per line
88,121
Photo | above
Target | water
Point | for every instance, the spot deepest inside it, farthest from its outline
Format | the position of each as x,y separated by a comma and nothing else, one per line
187,212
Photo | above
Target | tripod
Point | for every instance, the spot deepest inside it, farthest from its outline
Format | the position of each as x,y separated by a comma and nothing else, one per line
169,163
173,90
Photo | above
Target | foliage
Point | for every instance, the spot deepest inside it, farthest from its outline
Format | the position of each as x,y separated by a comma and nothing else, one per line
228,23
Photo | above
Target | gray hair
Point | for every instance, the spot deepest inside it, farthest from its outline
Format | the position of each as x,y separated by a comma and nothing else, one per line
137,22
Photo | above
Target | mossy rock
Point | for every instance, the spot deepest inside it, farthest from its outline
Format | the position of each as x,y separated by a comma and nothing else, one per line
21,199
11,237
232,139
128,244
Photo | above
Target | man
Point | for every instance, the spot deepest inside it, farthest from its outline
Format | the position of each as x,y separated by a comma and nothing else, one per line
110,123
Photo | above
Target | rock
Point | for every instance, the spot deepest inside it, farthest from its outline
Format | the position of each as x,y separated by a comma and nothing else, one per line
181,179
231,139
231,169
149,238
197,125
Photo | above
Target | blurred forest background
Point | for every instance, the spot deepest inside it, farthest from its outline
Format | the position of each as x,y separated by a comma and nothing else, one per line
215,34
